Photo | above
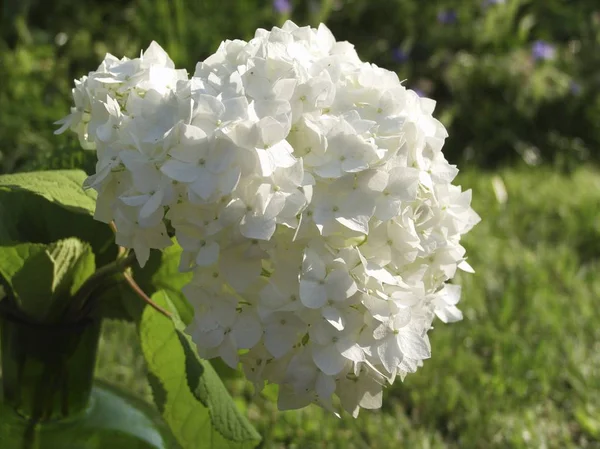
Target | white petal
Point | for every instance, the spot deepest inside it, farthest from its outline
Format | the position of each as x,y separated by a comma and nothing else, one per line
324,386
259,228
402,318
333,317
383,330
135,200
65,122
152,205
281,154
413,345
97,178
180,171
267,165
451,294
239,272
403,183
228,180
246,330
313,266
328,359
271,108
449,314
210,339
312,294
288,399
340,285
372,398
387,208
235,108
331,169
377,272
105,131
208,254
146,178
277,342
389,354
204,185
228,352
271,131
142,253
351,352
464,266
358,223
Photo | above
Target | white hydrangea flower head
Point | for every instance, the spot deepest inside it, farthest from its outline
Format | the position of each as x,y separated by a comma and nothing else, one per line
311,198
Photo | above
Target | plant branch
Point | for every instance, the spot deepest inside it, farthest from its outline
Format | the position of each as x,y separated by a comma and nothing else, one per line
138,291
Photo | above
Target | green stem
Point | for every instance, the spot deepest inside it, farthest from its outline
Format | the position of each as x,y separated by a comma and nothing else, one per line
97,280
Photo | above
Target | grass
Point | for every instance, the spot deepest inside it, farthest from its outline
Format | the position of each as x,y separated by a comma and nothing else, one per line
522,370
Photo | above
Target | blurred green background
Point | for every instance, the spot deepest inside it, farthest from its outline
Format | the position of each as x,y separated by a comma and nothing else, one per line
518,87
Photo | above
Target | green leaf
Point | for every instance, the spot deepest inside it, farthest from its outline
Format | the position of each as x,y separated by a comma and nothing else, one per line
43,278
13,258
62,187
28,217
205,416
32,283
73,264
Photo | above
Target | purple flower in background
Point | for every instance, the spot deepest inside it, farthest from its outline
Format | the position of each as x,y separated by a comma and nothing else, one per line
575,87
447,16
419,92
282,6
399,55
487,3
542,50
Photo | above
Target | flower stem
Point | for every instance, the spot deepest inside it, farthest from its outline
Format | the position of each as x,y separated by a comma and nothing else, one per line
138,291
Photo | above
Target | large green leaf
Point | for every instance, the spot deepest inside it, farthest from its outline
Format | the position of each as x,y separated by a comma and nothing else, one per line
44,278
193,401
12,258
46,206
28,271
28,217
62,187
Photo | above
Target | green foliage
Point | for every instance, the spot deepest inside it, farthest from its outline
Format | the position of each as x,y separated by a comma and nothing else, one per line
43,267
192,399
43,278
44,207
501,102
499,99
61,187
21,261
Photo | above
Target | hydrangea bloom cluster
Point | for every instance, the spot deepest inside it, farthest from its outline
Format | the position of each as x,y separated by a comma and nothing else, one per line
310,196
